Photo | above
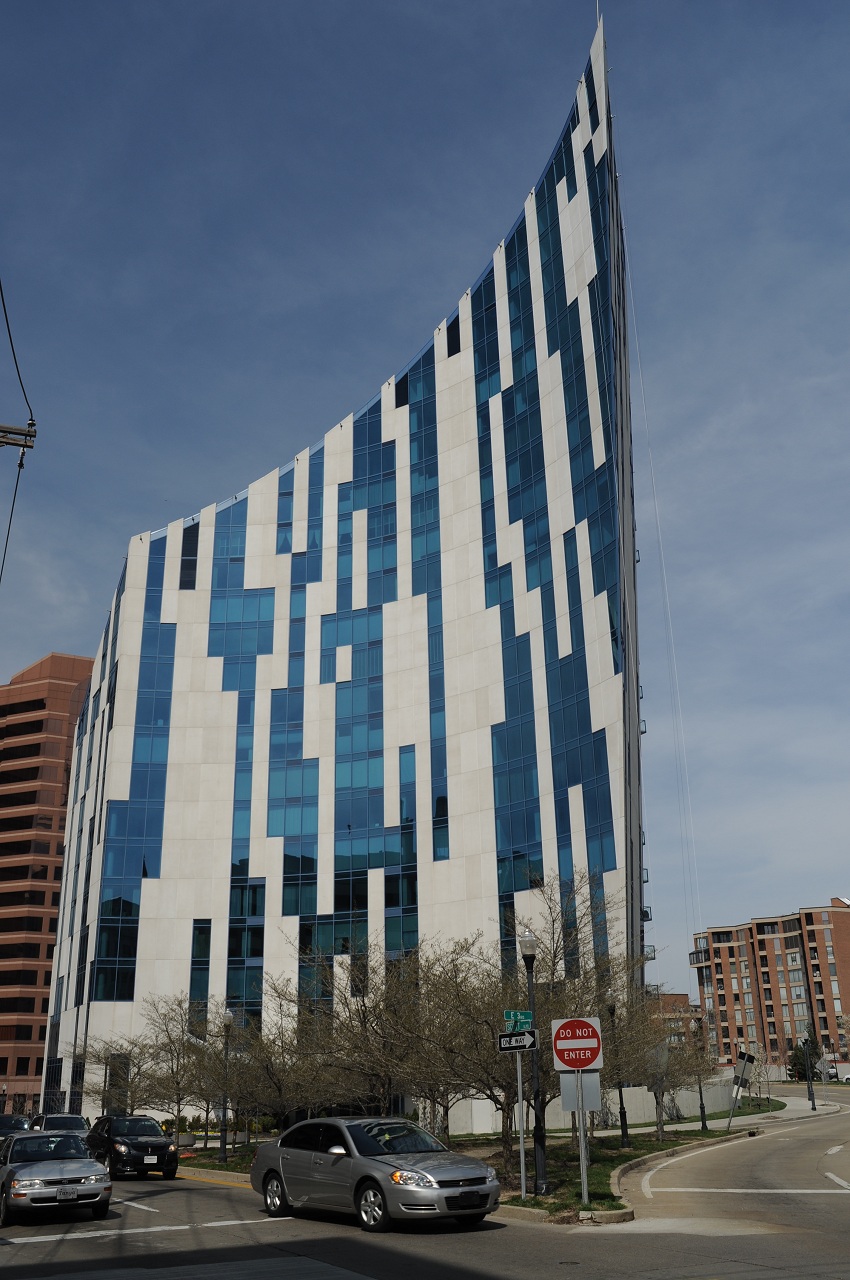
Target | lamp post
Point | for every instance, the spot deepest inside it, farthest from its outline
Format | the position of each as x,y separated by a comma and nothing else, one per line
227,1022
624,1124
528,949
810,1088
696,1032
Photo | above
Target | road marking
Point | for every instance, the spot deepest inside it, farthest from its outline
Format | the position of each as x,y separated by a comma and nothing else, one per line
840,1181
135,1204
833,1151
237,1222
645,1180
755,1191
133,1231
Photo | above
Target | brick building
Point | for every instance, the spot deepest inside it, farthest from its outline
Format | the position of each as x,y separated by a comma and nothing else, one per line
38,711
767,981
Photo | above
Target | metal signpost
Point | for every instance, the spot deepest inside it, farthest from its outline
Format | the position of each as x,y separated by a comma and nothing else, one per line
577,1047
519,1036
743,1071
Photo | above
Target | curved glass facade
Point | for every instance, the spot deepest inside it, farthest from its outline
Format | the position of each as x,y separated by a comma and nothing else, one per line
392,687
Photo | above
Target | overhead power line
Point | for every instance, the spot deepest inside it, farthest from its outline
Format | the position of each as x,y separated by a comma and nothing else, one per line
22,436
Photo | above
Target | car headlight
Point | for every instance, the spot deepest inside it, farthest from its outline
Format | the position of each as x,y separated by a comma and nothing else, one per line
97,1177
491,1173
27,1184
411,1178
173,1146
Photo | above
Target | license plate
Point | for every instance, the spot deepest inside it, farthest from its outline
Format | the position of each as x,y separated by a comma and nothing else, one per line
66,1193
150,1159
469,1199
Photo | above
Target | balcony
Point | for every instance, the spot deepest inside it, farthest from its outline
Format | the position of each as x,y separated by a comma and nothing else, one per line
700,957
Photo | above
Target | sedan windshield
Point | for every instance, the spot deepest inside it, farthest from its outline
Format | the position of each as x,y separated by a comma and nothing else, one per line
391,1137
136,1127
48,1147
77,1123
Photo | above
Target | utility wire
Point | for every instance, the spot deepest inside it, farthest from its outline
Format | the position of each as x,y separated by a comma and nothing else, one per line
31,423
14,354
11,513
690,866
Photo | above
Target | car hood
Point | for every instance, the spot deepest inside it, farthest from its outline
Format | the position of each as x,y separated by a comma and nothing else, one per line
439,1164
73,1167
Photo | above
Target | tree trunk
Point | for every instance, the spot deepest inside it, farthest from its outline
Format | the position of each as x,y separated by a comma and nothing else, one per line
507,1137
659,1116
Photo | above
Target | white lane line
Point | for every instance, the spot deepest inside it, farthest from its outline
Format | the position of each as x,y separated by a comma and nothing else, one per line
755,1191
833,1151
645,1180
840,1181
136,1204
132,1231
238,1222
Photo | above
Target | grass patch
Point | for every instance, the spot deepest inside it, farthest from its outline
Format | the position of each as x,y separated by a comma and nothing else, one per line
564,1174
238,1161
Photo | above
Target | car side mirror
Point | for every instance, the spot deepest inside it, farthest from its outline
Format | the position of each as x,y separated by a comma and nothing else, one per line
337,1151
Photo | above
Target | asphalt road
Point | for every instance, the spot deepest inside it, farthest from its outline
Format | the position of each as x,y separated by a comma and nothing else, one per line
774,1207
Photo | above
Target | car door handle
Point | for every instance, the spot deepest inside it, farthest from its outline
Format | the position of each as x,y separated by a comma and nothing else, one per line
316,1160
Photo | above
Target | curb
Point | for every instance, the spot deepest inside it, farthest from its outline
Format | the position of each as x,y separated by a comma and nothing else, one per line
222,1176
521,1213
653,1156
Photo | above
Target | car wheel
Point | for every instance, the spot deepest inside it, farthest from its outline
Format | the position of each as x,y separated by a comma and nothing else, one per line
471,1219
141,1173
101,1209
372,1208
7,1216
274,1196
169,1173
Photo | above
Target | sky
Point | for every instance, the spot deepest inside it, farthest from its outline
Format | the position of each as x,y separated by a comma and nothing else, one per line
225,224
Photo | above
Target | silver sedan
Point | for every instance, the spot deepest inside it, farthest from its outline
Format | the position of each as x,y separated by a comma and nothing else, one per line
40,1170
375,1167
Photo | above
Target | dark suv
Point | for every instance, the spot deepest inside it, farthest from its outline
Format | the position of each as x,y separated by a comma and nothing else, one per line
132,1144
65,1121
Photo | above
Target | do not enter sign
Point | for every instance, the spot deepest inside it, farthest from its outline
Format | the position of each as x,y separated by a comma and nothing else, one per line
577,1044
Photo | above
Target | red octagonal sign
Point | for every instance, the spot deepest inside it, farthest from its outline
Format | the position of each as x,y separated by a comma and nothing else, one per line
577,1044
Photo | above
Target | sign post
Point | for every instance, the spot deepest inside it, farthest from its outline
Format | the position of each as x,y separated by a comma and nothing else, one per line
520,1111
577,1047
518,1037
743,1071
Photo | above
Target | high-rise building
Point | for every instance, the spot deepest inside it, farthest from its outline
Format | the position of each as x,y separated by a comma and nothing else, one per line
391,687
775,980
38,711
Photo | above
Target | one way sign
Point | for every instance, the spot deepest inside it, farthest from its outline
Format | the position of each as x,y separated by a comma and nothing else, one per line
517,1041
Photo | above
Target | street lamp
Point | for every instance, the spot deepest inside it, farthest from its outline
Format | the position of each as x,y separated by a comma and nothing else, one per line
624,1124
227,1022
810,1088
696,1032
528,949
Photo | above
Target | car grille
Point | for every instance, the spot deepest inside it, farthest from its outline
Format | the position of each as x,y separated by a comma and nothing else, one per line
62,1182
462,1182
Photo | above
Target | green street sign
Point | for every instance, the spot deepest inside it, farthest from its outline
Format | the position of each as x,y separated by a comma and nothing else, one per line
518,1019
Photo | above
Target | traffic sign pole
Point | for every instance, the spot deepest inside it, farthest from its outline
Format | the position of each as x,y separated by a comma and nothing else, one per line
582,1139
521,1124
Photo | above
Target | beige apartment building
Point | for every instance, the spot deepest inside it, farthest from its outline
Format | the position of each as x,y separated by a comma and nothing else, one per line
767,981
38,712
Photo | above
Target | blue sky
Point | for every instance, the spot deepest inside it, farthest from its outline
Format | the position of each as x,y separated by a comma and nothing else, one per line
224,225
